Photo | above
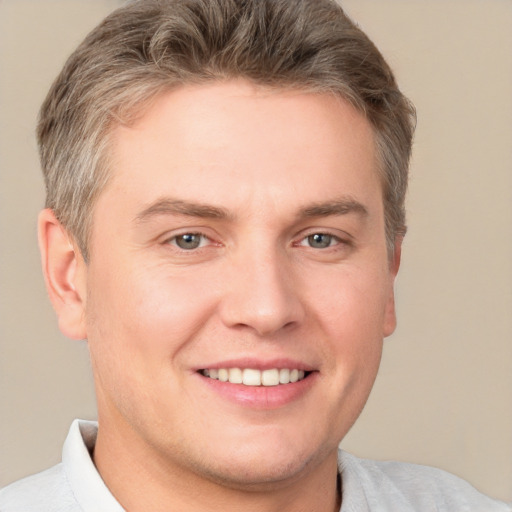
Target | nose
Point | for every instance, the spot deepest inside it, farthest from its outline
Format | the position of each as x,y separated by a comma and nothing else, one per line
262,294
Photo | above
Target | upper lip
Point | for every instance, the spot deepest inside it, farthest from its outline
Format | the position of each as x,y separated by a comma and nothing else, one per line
258,364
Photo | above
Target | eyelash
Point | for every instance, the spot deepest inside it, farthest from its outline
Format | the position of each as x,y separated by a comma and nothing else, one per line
332,238
174,240
302,242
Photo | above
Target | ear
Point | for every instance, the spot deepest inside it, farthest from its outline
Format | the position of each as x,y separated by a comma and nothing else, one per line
64,272
394,265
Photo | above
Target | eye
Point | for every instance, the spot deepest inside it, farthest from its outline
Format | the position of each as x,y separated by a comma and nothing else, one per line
320,240
189,241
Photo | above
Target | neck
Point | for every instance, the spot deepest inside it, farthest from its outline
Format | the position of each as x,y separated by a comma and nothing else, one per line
141,478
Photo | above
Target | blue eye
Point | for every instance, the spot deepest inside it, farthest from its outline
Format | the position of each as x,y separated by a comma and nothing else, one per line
321,240
189,241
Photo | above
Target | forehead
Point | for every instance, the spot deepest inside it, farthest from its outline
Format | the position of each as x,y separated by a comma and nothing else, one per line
205,142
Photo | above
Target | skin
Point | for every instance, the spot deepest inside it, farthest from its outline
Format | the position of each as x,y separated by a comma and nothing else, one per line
256,290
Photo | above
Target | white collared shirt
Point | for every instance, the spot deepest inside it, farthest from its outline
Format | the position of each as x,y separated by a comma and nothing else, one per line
75,485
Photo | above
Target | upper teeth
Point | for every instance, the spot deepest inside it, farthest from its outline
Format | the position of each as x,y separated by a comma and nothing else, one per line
252,377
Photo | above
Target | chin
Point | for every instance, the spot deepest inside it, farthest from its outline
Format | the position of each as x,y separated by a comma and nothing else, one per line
255,475
262,468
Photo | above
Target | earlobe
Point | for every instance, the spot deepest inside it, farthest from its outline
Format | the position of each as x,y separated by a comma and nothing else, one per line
64,274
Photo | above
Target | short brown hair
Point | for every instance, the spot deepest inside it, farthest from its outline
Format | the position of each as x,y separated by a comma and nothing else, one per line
150,46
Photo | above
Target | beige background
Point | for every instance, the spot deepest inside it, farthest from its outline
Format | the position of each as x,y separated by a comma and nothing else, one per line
444,394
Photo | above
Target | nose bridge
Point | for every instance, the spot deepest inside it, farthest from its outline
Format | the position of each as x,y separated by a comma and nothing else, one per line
262,293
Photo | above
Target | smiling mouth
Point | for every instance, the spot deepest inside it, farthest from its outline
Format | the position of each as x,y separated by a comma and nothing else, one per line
254,377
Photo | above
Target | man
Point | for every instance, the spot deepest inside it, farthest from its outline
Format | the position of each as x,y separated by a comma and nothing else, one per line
225,189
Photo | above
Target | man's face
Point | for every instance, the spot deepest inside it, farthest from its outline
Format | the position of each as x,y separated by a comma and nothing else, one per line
241,235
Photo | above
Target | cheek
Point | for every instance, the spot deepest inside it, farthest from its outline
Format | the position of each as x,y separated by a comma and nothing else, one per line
351,312
350,299
146,311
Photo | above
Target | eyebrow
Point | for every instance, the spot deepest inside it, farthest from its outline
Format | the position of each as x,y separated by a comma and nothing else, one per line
170,206
342,206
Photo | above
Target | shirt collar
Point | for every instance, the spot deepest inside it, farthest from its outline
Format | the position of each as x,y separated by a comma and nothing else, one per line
353,495
88,488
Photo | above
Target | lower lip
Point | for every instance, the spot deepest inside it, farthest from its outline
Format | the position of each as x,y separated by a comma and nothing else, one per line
261,397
